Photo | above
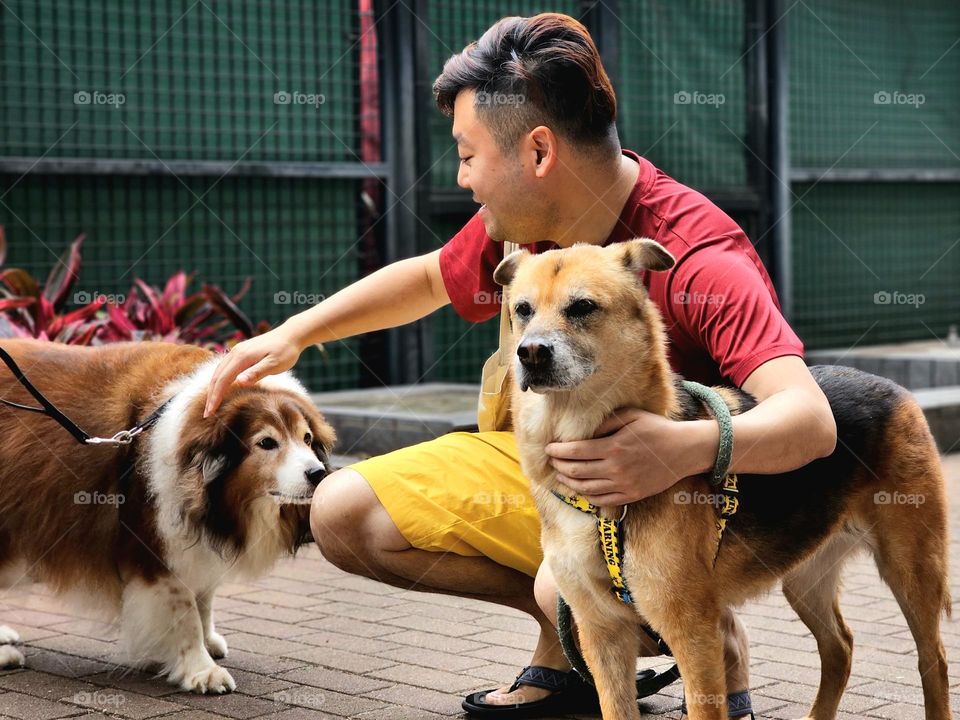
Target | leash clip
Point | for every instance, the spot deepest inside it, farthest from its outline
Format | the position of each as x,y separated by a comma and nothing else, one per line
124,437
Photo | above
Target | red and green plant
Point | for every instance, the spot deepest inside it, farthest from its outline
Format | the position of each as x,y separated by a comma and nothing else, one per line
208,317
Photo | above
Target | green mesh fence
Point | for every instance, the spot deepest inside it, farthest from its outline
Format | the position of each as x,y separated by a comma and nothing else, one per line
875,88
295,238
876,263
681,89
179,79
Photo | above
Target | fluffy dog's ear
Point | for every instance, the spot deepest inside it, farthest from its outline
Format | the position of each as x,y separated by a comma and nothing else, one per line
507,268
645,254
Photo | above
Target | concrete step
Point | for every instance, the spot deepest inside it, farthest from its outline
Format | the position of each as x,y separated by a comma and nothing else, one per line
373,421
913,365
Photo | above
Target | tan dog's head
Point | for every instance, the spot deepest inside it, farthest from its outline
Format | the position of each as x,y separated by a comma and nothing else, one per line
578,311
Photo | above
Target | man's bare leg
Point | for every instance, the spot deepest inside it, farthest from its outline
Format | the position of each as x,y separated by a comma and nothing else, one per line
355,533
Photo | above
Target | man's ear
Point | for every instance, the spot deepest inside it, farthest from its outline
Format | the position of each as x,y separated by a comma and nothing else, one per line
507,268
644,254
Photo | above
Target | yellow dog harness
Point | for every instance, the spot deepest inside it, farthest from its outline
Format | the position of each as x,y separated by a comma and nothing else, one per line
611,542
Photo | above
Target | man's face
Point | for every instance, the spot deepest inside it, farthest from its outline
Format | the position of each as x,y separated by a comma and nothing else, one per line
513,204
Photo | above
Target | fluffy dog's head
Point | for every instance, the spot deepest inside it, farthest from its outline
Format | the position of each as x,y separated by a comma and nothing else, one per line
582,313
253,466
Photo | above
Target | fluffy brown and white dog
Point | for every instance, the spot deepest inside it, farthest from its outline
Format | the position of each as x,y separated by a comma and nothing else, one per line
149,530
589,341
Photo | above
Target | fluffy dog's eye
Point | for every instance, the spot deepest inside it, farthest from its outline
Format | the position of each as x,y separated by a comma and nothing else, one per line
268,443
523,310
581,308
308,439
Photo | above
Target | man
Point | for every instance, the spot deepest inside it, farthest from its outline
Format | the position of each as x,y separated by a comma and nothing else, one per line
533,117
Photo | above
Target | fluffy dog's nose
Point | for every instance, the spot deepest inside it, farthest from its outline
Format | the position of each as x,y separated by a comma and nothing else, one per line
535,353
316,475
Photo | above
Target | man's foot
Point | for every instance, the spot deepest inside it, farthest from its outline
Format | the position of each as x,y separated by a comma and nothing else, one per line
536,692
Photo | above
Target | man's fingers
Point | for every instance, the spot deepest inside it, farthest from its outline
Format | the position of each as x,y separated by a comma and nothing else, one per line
222,377
578,450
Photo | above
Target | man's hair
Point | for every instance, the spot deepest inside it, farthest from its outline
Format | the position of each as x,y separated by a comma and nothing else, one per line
529,71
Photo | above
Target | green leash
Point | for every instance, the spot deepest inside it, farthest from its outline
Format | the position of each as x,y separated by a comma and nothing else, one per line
719,477
711,398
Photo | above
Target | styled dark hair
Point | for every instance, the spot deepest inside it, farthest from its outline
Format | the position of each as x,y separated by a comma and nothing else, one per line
529,71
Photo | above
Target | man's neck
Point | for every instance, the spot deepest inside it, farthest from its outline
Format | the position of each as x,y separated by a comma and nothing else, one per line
594,202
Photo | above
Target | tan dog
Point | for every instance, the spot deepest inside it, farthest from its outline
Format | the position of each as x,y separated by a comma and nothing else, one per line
590,341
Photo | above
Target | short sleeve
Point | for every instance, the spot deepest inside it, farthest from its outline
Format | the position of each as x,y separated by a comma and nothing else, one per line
724,302
467,262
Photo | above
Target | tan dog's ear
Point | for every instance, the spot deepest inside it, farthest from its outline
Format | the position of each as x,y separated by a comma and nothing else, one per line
507,268
644,254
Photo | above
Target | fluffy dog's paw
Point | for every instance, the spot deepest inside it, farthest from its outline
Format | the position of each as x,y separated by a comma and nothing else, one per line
10,657
8,636
214,680
216,645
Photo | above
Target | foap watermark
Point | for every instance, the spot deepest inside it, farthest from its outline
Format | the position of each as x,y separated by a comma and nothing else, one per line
899,498
695,97
895,297
99,698
884,97
300,696
498,98
488,298
96,97
683,497
82,297
501,499
296,297
98,498
295,97
698,298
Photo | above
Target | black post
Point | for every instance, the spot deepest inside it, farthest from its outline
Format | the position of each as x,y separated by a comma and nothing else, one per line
781,261
396,28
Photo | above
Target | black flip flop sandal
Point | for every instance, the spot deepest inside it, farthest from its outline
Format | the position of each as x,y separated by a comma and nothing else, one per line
570,694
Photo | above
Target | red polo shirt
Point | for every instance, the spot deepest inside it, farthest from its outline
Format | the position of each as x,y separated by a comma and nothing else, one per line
721,311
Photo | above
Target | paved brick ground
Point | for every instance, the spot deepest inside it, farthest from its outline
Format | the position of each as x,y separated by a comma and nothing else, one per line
311,642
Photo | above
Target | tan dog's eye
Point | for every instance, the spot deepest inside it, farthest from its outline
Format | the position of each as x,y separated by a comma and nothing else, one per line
523,310
308,439
581,308
268,443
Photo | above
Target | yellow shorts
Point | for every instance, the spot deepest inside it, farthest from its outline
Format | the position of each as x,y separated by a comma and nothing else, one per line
462,493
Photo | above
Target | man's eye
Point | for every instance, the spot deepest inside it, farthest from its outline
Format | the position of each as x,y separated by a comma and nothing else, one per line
581,308
268,443
523,309
465,160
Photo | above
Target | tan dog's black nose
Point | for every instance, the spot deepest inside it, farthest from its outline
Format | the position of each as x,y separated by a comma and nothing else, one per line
535,354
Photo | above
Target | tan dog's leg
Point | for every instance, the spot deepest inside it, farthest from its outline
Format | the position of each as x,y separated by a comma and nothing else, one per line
911,547
812,590
610,645
911,558
694,636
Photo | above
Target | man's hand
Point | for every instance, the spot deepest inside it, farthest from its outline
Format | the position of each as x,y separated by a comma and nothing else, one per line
634,454
248,361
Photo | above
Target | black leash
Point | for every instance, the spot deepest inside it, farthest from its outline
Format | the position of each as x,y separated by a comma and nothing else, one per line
124,437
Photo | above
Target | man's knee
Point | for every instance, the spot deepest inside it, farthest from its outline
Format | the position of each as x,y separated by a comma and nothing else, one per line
350,525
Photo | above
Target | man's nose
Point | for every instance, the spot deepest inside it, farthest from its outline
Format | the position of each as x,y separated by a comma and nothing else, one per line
535,353
463,179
